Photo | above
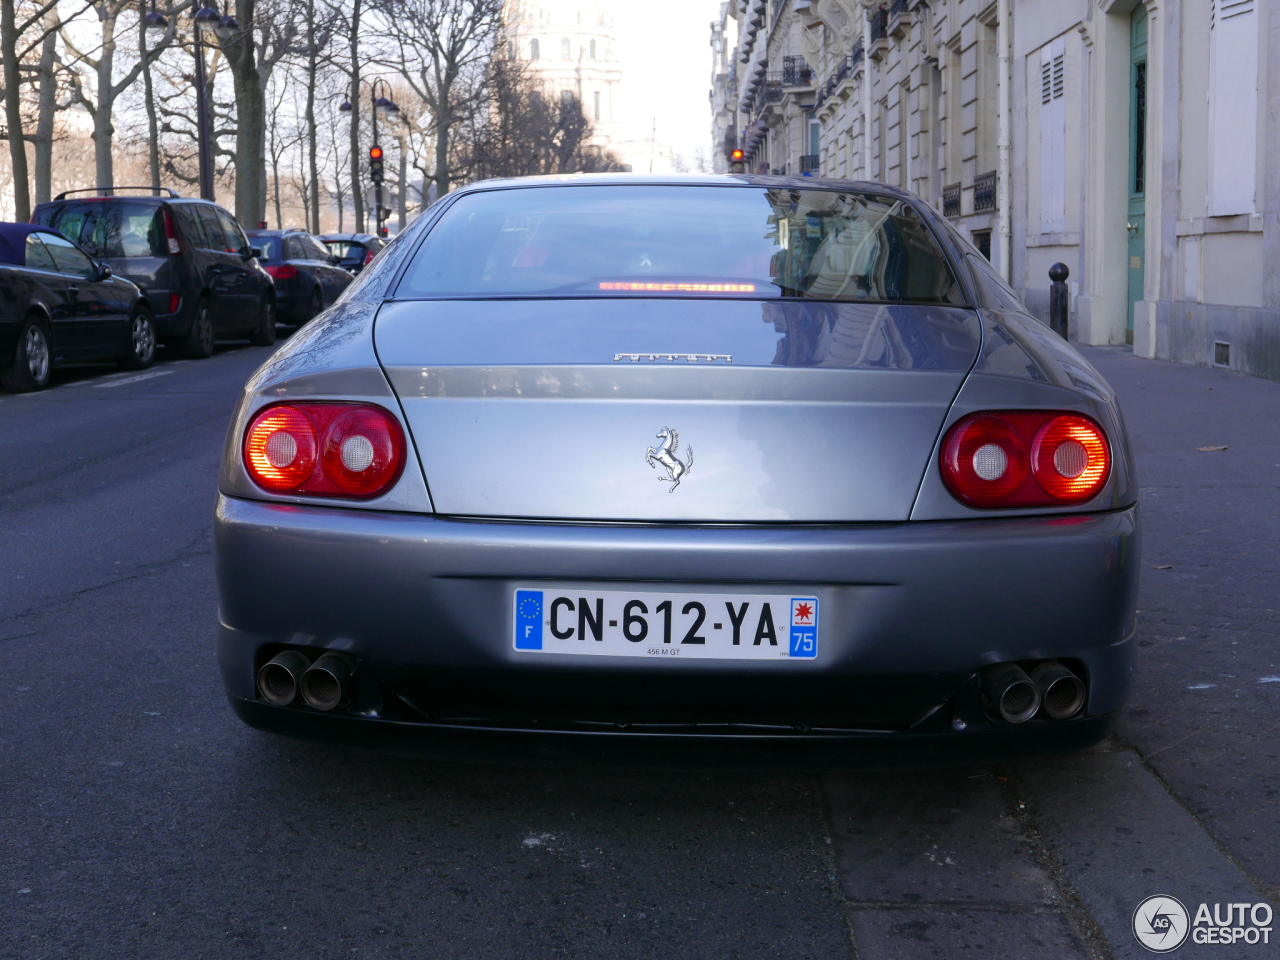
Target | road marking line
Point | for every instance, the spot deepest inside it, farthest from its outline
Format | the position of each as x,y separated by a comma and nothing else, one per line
140,377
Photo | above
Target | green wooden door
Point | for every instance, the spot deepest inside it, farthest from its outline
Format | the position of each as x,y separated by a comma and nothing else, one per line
1137,162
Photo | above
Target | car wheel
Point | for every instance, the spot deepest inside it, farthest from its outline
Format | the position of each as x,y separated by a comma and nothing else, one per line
317,304
198,344
265,335
142,336
32,361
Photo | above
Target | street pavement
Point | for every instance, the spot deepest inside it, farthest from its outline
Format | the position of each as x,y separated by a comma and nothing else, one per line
140,819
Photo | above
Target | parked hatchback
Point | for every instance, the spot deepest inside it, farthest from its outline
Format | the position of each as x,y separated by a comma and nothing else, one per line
308,278
353,250
193,263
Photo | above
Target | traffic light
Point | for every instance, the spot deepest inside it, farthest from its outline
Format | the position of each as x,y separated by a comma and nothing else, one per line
737,161
375,164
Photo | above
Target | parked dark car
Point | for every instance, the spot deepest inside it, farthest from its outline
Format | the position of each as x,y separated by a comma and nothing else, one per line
59,305
190,258
307,275
354,250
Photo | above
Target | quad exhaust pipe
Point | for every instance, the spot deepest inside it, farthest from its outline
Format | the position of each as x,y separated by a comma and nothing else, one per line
323,685
1051,689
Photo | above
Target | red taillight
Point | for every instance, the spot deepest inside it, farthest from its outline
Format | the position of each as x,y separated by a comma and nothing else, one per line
281,271
345,450
368,256
171,234
1025,459
175,302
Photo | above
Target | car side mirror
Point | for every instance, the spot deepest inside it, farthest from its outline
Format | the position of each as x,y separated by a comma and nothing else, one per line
104,271
255,252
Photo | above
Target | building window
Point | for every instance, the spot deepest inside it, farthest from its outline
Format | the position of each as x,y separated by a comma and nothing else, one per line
982,240
595,103
1053,138
593,52
534,51
511,49
564,49
1233,99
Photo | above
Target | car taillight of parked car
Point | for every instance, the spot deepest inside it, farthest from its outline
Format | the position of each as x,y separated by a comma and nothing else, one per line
281,271
175,302
342,450
368,256
1025,459
171,232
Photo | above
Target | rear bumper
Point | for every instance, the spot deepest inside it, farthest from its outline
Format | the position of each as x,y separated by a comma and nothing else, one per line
911,612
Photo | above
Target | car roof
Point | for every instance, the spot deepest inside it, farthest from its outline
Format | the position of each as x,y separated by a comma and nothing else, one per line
687,179
347,236
13,239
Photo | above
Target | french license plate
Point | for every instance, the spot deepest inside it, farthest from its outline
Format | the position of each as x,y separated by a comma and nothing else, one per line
689,626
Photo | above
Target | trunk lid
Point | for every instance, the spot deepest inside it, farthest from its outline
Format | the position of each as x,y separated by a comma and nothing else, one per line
827,412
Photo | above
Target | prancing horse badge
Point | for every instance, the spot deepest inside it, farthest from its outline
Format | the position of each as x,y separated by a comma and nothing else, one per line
665,454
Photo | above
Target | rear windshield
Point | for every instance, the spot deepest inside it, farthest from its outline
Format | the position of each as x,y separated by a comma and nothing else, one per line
111,229
345,250
680,241
270,246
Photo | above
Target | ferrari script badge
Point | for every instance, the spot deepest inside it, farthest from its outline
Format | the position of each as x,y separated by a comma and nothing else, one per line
665,454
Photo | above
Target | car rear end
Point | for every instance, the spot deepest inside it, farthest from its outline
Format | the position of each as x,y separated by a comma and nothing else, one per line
354,251
665,467
139,239
293,287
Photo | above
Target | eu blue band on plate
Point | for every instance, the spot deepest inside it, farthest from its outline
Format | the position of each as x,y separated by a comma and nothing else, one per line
804,627
528,619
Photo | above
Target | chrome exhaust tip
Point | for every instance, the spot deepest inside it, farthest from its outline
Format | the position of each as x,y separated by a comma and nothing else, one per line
329,681
1061,691
1011,691
280,677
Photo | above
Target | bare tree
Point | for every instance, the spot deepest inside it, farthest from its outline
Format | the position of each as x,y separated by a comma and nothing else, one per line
443,48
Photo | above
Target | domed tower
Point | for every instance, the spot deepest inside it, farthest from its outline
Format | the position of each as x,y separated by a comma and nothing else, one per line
570,45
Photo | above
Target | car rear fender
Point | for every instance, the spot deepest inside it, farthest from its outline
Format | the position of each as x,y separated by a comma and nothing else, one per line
1025,366
330,359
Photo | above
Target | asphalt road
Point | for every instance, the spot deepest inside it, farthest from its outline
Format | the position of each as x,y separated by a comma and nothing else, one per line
140,819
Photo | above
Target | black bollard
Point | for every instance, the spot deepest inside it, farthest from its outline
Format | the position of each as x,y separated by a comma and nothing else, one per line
1059,299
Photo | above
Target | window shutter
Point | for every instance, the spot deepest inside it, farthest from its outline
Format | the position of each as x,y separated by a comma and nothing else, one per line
1053,137
1233,106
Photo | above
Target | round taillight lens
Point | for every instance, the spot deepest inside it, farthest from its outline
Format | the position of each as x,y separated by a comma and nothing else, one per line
1070,458
363,451
280,448
984,461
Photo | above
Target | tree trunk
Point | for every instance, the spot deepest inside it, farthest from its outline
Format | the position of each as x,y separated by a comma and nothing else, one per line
357,195
13,110
313,163
443,123
48,106
402,178
103,129
149,102
251,198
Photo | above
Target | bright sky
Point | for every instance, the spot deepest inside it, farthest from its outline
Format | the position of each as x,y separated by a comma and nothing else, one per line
666,52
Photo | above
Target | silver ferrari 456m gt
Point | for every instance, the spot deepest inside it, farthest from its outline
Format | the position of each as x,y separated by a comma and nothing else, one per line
705,467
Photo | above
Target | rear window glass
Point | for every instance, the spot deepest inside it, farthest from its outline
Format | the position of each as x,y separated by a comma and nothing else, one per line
270,246
681,241
113,229
344,250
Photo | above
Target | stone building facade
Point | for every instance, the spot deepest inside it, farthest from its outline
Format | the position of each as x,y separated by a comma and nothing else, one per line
1128,139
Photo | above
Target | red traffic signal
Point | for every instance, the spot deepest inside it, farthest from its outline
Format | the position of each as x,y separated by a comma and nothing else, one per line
738,156
375,153
375,164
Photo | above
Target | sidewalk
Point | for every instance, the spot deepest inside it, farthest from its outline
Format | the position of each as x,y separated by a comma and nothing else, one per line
1205,710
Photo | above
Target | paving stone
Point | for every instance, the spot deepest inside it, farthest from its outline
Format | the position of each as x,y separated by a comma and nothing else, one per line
954,933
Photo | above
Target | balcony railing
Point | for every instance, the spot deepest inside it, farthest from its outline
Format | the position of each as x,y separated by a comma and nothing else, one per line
848,63
796,72
951,201
984,192
809,164
879,24
897,7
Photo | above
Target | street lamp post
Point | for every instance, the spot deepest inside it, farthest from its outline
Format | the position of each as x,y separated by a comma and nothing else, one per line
387,107
210,24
